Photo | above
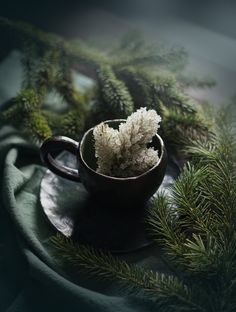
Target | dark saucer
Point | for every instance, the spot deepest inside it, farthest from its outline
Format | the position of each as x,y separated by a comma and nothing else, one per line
74,213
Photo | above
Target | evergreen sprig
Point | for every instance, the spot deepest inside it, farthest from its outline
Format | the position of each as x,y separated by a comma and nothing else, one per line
142,87
122,83
192,81
116,100
25,114
133,50
196,228
169,292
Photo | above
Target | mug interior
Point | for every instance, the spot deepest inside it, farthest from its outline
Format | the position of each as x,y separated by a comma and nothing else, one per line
87,147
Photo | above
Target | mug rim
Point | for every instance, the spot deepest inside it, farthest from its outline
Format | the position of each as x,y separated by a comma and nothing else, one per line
120,178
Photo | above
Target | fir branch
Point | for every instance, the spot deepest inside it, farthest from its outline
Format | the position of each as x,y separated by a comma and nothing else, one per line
48,61
20,34
142,87
64,83
180,129
116,100
162,223
131,42
169,292
192,81
204,199
35,127
73,123
182,122
70,124
25,102
202,249
155,90
172,96
82,54
25,114
134,51
41,71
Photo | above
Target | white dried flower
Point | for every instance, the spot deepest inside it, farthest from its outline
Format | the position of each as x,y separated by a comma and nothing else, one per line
140,162
124,152
106,147
139,128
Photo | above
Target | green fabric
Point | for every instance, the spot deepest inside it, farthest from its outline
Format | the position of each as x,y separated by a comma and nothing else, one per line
30,278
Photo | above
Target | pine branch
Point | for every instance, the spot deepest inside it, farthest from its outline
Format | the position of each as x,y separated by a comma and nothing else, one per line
182,122
73,123
134,51
202,249
48,63
82,54
41,71
131,42
204,198
19,34
64,83
169,292
70,124
172,96
25,102
115,97
180,129
35,127
25,114
163,226
192,81
142,87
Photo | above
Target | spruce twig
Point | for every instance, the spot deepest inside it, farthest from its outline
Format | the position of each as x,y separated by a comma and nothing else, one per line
167,290
115,98
195,226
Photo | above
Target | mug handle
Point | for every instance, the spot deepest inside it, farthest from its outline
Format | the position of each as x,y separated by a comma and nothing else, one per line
57,144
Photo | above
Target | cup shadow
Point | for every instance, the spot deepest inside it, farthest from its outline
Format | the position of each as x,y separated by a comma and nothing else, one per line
115,230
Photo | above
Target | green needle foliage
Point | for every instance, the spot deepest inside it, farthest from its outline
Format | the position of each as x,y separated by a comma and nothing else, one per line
126,76
142,87
181,120
196,227
190,80
168,291
115,98
25,114
132,50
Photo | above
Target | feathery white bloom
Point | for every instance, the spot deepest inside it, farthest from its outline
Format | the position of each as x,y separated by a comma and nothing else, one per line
124,152
142,161
139,128
106,147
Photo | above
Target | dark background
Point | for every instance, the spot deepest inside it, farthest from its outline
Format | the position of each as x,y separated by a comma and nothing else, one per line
51,15
206,29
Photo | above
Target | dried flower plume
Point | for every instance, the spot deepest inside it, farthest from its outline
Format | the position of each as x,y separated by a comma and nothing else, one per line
124,152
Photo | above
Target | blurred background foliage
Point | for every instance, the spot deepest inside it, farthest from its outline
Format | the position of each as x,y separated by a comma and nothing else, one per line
110,83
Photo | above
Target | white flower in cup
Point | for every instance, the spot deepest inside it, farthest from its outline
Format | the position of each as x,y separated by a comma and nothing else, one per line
124,152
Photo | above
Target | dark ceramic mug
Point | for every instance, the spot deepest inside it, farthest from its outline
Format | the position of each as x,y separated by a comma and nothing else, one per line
111,190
